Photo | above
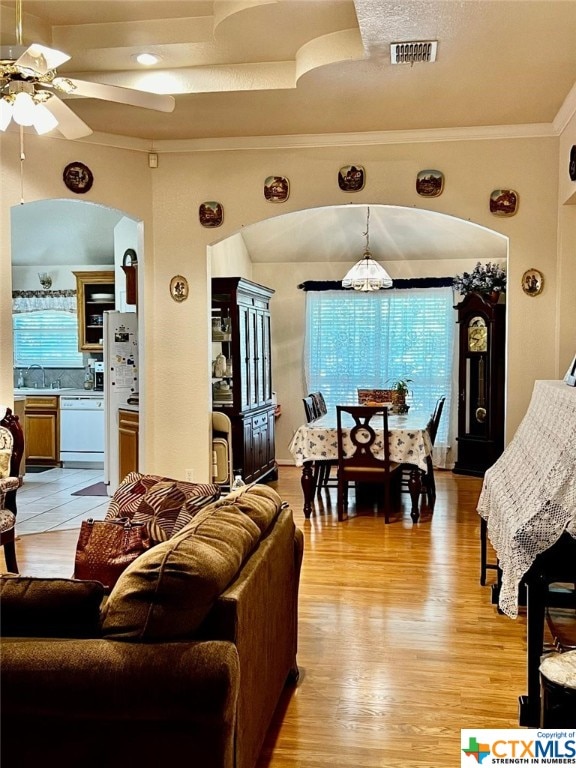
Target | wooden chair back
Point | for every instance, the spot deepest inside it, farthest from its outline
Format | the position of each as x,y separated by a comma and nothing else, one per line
365,440
370,437
435,420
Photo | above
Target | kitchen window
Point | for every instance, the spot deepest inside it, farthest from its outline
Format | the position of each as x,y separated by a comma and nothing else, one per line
48,338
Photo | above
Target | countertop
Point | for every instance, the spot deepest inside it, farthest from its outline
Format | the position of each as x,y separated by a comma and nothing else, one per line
25,391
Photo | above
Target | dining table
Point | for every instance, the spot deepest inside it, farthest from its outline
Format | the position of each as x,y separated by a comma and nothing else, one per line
410,445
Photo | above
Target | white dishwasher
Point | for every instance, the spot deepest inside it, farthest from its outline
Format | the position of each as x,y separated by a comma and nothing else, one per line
82,431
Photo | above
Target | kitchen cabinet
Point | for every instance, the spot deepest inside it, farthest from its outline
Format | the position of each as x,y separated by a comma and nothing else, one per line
128,429
42,430
242,372
95,295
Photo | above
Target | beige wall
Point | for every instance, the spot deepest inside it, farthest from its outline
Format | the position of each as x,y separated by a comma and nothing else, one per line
566,311
177,386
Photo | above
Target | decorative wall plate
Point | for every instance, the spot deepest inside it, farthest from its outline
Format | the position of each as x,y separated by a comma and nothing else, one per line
504,202
211,214
179,288
532,282
430,183
351,178
276,189
78,177
572,163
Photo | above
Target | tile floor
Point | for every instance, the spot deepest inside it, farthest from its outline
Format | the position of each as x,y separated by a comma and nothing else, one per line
45,501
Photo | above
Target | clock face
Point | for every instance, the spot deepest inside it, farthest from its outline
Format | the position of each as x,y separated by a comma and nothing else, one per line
477,335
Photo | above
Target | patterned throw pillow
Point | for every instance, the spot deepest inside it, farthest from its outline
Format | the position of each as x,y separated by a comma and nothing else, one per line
166,504
128,495
159,508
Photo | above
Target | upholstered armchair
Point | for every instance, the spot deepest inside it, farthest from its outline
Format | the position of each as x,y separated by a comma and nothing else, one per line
11,452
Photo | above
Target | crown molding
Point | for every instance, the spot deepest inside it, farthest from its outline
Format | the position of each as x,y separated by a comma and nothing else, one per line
307,141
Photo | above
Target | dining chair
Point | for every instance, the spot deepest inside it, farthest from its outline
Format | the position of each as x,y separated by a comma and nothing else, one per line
370,437
428,481
11,452
314,407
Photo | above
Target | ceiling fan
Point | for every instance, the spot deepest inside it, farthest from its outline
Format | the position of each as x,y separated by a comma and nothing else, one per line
30,88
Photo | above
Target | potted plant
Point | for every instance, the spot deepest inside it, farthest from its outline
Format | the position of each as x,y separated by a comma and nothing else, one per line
485,278
400,390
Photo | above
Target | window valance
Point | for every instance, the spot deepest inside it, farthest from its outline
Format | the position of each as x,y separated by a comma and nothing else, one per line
39,301
413,282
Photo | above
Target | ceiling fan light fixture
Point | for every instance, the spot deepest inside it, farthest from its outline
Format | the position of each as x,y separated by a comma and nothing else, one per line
23,112
6,110
367,275
44,120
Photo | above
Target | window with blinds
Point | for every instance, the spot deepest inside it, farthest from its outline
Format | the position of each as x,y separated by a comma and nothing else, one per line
48,338
367,340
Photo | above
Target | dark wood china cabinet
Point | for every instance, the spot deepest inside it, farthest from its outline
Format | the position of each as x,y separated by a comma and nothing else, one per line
242,372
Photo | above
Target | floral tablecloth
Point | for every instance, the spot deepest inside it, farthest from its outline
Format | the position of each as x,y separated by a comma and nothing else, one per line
409,440
528,496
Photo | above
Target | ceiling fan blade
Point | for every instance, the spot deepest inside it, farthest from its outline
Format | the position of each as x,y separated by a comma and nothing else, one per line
69,124
40,59
160,102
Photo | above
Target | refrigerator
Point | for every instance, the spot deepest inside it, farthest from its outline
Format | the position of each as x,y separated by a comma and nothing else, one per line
120,353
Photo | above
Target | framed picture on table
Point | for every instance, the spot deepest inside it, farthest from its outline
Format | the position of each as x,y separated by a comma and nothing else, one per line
570,377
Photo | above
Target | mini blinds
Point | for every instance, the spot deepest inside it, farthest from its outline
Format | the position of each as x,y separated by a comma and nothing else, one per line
48,338
356,340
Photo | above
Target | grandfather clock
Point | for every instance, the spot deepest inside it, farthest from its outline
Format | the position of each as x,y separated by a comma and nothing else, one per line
481,368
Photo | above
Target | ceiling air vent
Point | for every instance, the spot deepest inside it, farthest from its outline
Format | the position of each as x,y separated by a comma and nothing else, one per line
413,52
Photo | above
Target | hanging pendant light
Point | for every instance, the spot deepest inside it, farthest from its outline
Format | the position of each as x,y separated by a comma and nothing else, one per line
367,274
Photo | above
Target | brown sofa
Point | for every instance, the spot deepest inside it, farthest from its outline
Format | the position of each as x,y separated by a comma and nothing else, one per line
183,663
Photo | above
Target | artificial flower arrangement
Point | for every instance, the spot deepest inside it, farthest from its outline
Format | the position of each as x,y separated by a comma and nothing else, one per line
483,279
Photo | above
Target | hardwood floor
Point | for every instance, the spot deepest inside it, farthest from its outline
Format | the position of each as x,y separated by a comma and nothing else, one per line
399,645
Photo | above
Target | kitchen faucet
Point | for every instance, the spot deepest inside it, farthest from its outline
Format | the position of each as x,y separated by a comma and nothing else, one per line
35,365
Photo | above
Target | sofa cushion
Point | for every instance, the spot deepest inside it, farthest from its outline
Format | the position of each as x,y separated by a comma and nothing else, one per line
50,607
166,593
259,502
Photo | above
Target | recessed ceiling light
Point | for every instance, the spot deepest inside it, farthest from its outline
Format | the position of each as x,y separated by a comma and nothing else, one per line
147,59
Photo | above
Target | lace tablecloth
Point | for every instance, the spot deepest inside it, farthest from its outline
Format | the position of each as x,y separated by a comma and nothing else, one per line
409,440
528,496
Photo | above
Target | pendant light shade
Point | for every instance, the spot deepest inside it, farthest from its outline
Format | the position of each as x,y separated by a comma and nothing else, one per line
367,274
